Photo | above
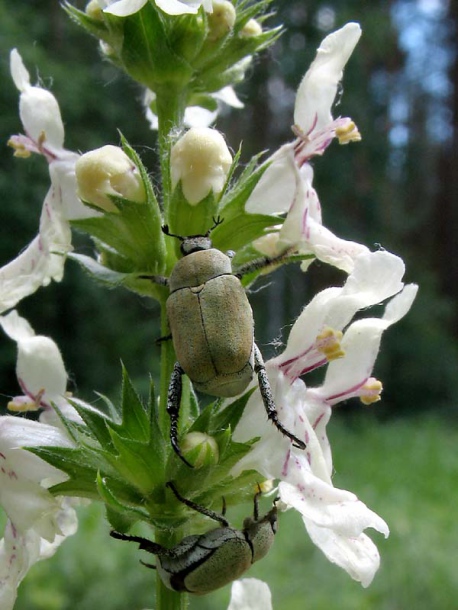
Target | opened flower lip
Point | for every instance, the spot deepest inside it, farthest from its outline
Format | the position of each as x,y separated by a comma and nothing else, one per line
25,476
35,513
286,186
376,276
318,89
42,261
335,519
40,371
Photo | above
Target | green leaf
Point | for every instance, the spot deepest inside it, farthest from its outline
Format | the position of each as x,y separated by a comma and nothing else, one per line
124,512
230,416
147,54
138,462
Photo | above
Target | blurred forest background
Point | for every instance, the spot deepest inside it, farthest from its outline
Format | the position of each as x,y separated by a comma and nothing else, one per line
398,188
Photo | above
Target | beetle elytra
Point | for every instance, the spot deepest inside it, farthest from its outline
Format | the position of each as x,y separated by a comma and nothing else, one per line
212,329
203,563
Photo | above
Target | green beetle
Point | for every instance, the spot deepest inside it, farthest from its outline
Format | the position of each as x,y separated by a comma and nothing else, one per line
212,329
203,563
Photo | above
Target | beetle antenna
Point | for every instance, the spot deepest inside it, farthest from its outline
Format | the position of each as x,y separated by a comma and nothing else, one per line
216,222
166,231
197,507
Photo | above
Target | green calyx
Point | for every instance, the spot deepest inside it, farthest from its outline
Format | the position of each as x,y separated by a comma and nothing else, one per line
123,458
180,56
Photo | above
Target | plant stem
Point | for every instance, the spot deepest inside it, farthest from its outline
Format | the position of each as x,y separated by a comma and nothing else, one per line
170,107
165,598
167,363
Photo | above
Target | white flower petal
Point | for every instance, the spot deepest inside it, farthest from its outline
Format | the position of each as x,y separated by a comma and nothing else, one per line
376,276
228,96
178,7
331,249
196,116
401,304
43,259
123,8
356,555
17,554
38,108
250,594
17,432
361,344
23,476
276,189
318,88
19,72
63,179
15,327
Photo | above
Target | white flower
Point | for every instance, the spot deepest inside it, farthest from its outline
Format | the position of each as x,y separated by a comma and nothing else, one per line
40,372
287,184
200,160
335,519
43,259
124,8
196,116
38,522
250,594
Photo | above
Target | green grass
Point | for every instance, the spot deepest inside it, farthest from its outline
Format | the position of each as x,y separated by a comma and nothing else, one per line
406,471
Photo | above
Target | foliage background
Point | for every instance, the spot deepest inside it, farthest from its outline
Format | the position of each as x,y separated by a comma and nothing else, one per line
398,188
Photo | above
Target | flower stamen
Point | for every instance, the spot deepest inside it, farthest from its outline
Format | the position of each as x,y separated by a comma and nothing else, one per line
370,391
328,343
348,133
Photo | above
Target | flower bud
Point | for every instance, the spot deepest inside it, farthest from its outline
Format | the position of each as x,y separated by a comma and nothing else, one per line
108,171
250,29
221,20
94,10
201,161
200,449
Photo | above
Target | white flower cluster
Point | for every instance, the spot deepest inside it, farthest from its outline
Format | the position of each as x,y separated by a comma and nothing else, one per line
325,334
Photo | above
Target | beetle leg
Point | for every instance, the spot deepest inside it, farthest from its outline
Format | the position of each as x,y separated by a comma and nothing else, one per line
162,339
262,263
143,544
268,399
197,507
173,409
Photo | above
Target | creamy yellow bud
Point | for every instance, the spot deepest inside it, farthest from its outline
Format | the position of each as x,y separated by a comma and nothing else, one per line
221,20
265,486
108,171
251,28
348,133
371,391
201,161
200,449
94,10
328,343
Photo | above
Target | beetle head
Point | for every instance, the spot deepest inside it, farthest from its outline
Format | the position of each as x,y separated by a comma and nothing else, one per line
194,243
260,533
